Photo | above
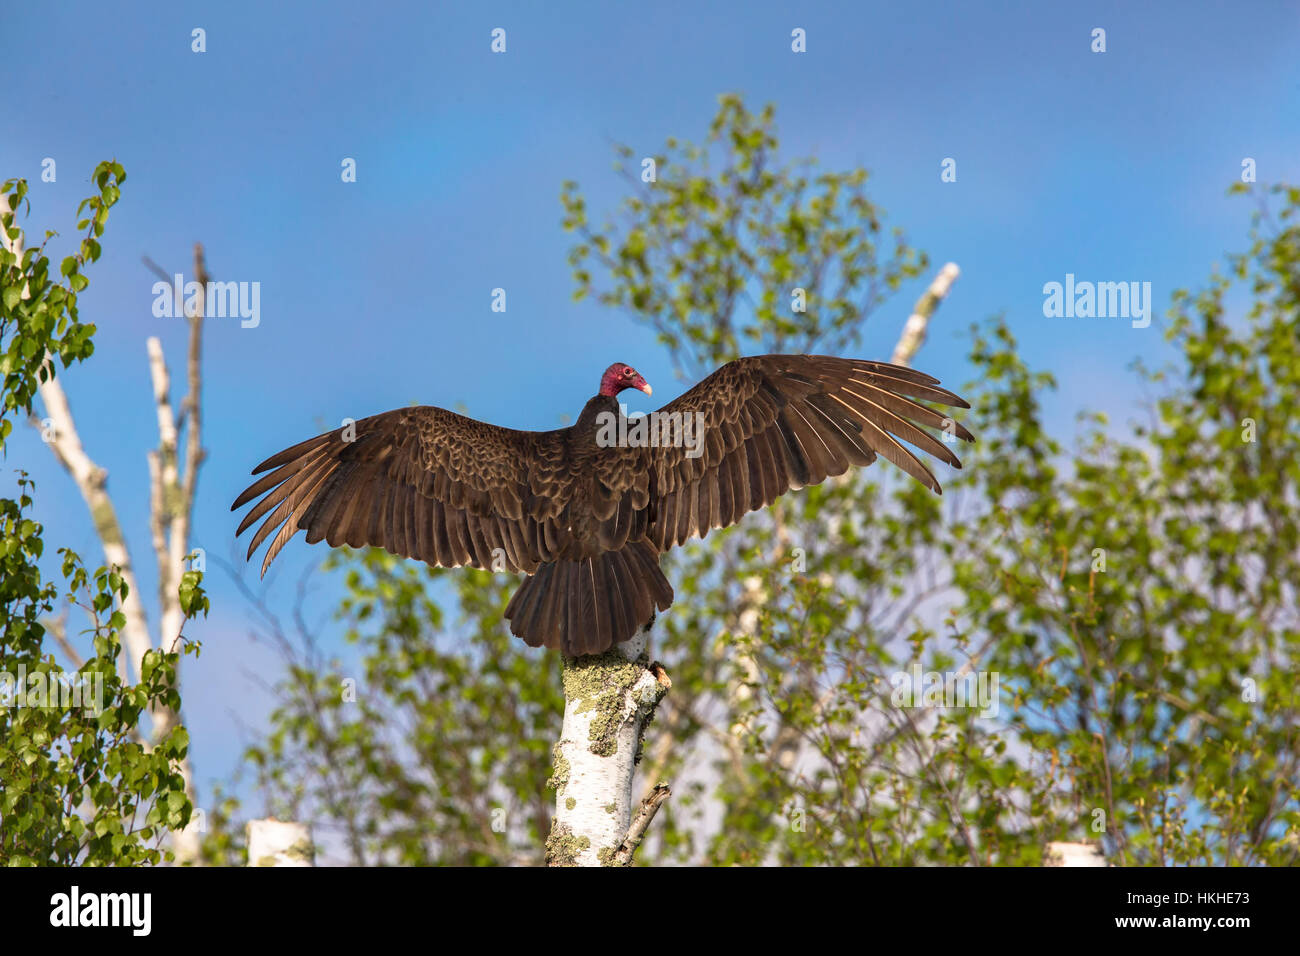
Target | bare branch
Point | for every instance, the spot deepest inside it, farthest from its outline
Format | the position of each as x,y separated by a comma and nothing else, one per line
156,269
194,452
172,500
636,832
58,626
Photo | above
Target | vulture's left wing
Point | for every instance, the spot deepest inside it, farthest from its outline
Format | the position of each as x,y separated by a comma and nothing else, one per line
772,423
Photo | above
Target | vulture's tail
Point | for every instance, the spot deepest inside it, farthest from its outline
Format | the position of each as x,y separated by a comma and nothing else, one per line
588,606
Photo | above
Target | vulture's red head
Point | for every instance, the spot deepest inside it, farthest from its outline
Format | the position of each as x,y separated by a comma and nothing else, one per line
618,377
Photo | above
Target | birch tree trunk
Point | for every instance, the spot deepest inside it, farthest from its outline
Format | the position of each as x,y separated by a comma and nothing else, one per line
1073,854
608,701
913,337
273,842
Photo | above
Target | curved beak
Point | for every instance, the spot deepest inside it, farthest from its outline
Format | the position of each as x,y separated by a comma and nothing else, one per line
642,385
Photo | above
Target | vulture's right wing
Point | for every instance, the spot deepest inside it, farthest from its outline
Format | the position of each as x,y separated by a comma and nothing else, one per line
771,423
421,482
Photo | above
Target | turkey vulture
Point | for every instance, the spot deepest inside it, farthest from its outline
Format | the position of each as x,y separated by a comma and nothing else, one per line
586,510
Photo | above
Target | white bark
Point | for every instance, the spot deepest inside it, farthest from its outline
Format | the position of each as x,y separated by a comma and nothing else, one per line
92,482
913,336
163,488
274,842
740,689
608,700
1074,854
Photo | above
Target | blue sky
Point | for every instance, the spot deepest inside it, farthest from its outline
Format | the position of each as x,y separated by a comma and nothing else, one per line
1111,166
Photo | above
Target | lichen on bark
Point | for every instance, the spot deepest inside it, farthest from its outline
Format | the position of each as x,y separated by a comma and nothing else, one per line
562,847
560,770
601,682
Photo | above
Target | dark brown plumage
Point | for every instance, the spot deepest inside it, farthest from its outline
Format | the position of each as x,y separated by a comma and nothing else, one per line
587,522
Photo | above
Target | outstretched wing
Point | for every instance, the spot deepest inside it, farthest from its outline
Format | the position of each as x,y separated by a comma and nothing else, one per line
772,423
421,482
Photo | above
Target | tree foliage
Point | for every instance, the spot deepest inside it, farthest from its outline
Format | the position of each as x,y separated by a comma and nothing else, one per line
433,748
77,783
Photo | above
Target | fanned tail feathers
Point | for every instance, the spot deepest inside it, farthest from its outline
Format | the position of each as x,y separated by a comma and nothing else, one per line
588,606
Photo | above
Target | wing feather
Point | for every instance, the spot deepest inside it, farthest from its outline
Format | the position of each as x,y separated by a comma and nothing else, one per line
420,482
777,422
